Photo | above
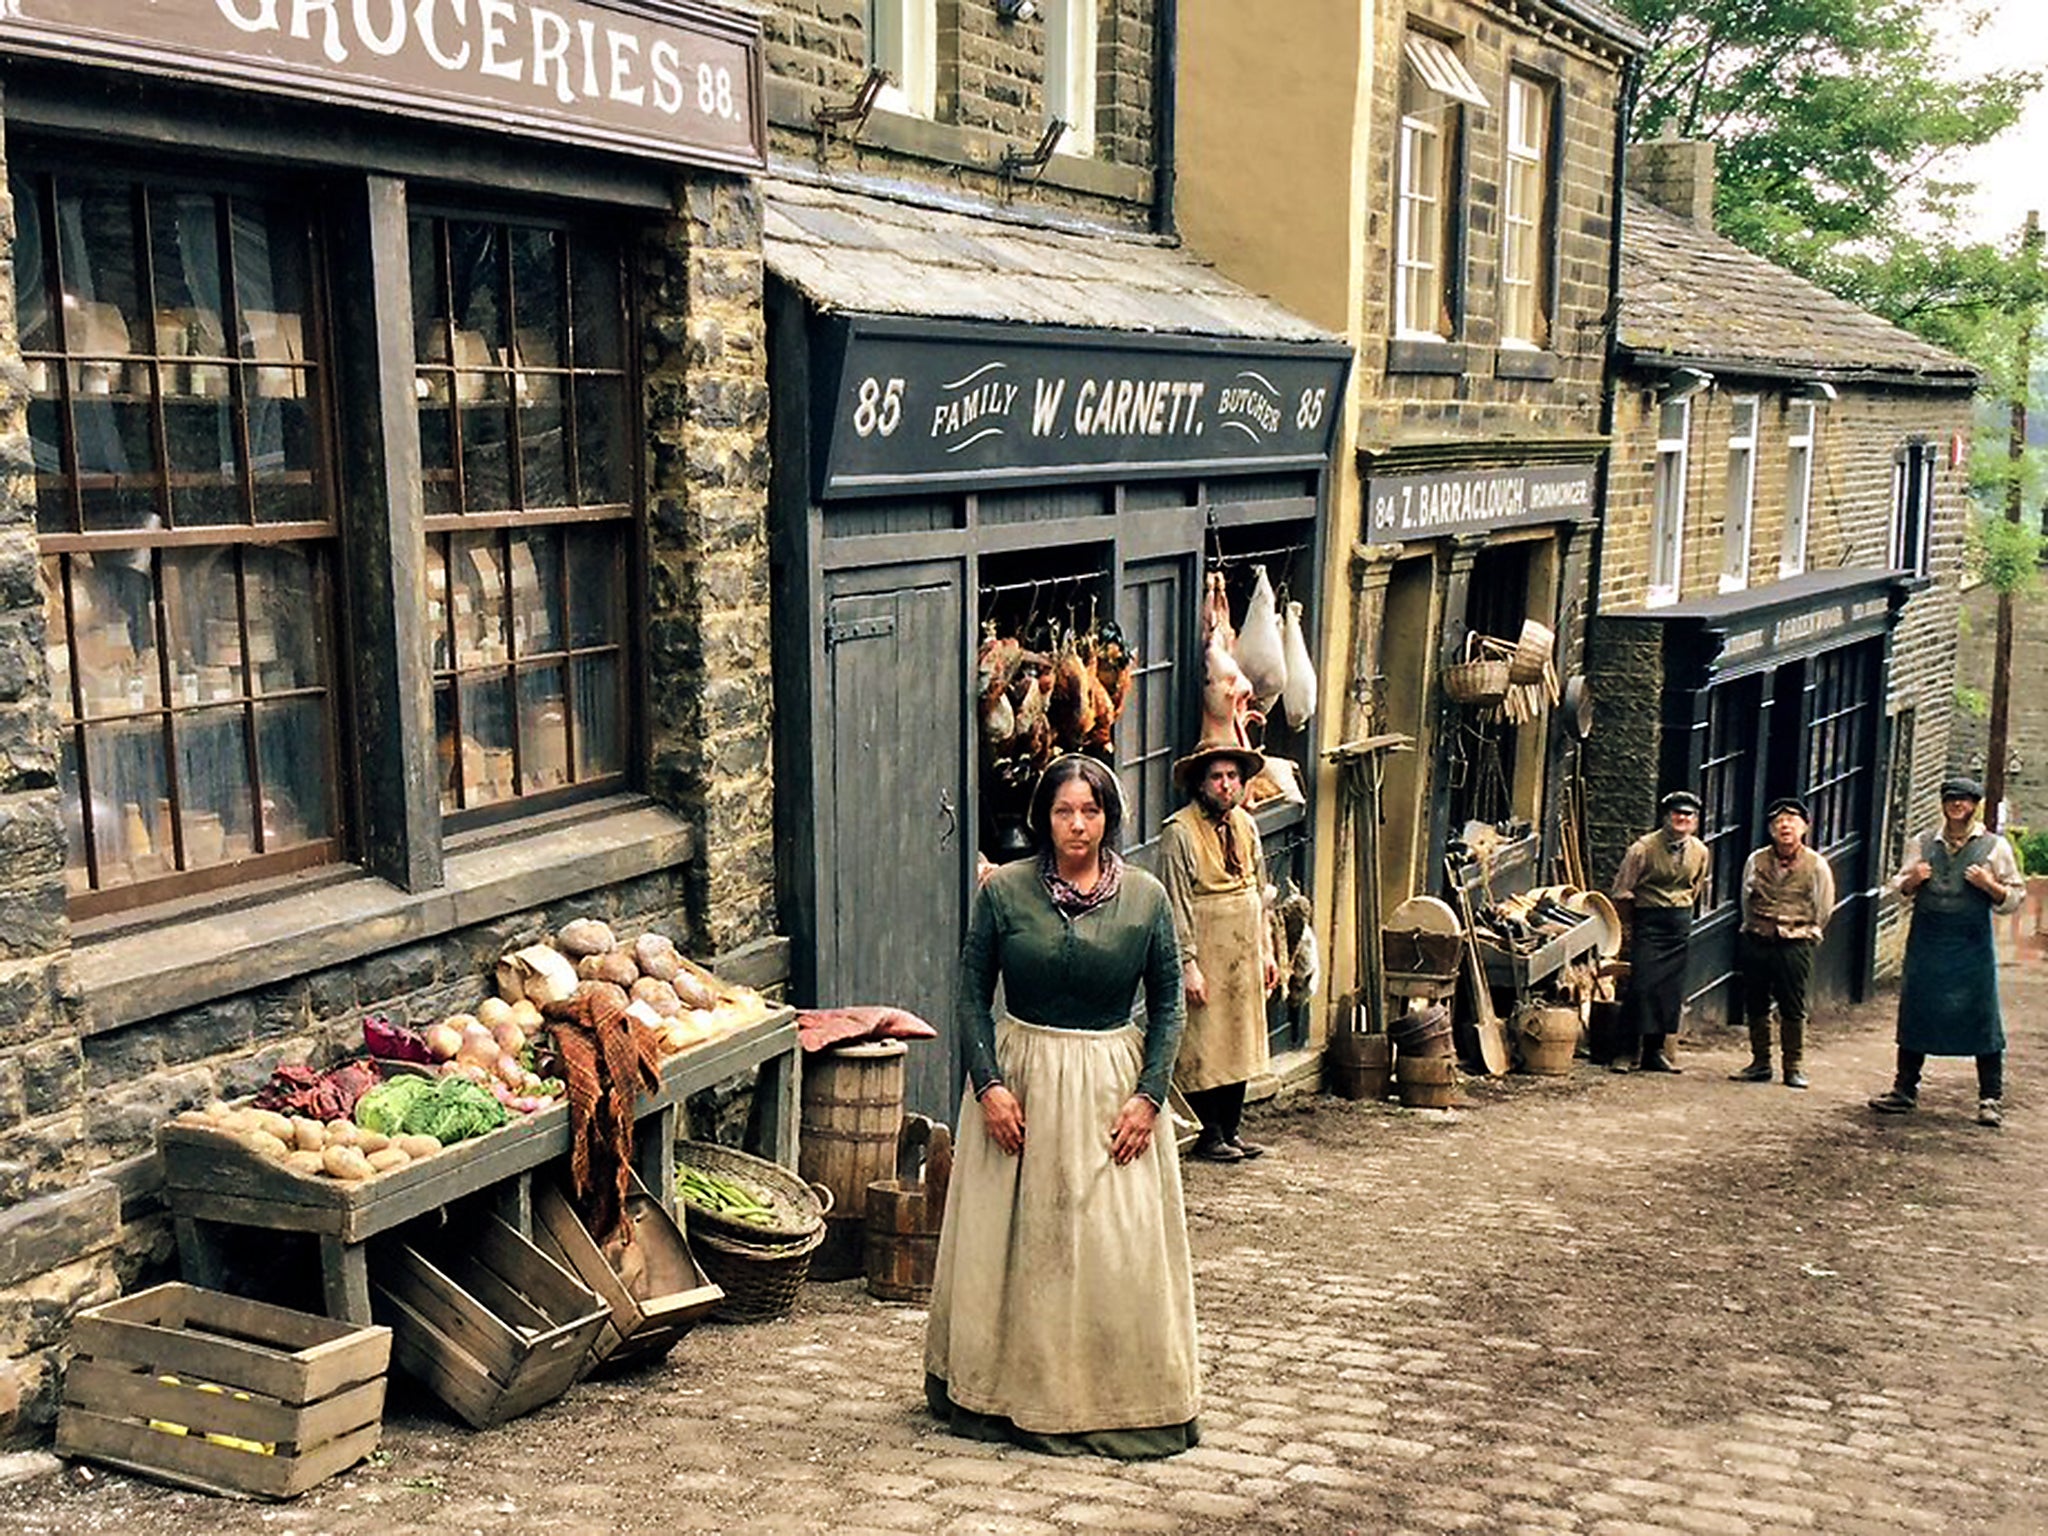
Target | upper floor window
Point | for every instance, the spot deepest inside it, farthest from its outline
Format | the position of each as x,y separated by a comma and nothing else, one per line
1667,512
902,38
1525,216
526,459
185,512
1912,508
1434,84
1070,37
1798,487
1740,496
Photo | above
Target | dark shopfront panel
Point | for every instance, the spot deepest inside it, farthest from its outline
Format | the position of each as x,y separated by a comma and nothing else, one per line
901,589
1782,693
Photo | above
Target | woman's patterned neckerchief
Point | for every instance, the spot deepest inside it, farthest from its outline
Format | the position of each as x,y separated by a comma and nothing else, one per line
1073,901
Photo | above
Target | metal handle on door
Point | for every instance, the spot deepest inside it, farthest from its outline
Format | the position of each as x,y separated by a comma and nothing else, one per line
952,821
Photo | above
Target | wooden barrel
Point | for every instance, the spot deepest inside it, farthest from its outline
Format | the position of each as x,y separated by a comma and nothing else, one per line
1425,1082
904,1214
852,1109
1357,1065
1548,1037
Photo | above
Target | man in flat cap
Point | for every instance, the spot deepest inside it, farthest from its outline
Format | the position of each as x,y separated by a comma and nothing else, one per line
1956,876
1214,870
1662,877
1788,895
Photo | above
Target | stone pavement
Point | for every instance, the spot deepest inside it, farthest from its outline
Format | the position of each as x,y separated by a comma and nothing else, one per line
1611,1305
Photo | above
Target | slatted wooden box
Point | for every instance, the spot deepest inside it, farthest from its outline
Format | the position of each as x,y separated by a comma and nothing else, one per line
309,1389
490,1323
652,1305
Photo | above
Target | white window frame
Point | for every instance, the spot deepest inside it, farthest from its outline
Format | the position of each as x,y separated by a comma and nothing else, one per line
1912,508
1799,444
1418,233
902,38
1524,210
1667,510
1739,501
1072,30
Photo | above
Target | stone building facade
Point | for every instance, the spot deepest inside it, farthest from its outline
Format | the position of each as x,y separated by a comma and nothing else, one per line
1778,568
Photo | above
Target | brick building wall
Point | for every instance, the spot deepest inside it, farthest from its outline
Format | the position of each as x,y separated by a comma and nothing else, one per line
1491,40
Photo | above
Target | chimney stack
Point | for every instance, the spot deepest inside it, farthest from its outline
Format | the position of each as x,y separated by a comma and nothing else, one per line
1675,174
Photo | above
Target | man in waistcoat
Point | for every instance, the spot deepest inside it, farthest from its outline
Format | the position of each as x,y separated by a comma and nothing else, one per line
1214,869
1956,876
1662,877
1788,895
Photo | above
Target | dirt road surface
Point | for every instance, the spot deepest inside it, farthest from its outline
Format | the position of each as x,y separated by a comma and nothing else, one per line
1601,1304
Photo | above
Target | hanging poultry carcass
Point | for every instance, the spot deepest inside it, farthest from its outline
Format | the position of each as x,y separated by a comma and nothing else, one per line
1260,650
1069,710
1227,712
992,678
1299,696
1216,612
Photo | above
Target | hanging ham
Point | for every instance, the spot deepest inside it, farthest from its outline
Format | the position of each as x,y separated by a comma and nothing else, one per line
1260,651
1299,696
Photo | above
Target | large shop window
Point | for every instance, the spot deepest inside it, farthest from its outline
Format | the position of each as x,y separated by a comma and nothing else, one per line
185,514
1434,82
1525,223
1727,786
1912,507
1667,510
525,449
1841,725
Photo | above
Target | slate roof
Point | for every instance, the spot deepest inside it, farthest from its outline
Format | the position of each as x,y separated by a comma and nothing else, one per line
869,255
1689,295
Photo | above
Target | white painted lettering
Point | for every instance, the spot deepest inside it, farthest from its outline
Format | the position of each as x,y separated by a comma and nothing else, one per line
423,24
1045,405
265,19
302,13
587,30
388,42
494,16
551,54
623,44
665,62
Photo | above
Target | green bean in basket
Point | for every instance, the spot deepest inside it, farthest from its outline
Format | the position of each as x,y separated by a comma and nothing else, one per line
723,1196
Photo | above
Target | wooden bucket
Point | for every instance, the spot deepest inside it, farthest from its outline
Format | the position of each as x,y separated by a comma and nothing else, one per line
1356,1066
1425,1082
852,1108
904,1214
1548,1038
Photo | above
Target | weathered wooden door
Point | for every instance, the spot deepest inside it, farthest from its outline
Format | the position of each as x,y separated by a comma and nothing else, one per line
892,839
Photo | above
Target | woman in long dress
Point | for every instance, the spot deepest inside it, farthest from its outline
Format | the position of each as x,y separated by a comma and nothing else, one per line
1063,1308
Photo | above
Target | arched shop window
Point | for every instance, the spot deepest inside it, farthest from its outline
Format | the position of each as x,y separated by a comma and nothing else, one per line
185,512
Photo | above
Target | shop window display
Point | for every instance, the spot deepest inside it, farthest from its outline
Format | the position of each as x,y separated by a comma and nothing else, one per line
520,332
183,506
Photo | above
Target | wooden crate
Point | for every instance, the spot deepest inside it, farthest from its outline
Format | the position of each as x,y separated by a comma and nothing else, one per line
489,1322
664,1303
309,1388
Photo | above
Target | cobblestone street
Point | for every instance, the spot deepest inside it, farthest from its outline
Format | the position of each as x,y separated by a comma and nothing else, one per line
1616,1305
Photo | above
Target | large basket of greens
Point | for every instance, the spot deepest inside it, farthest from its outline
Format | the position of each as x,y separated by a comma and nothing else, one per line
746,1200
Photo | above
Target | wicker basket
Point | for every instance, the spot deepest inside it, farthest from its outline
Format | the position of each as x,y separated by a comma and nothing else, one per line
760,1280
1532,653
1479,678
799,1208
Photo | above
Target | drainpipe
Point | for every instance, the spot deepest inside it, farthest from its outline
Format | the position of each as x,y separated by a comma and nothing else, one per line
1624,115
1166,40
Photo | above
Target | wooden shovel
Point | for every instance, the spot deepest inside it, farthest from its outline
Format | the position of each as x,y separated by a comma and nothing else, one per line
1493,1040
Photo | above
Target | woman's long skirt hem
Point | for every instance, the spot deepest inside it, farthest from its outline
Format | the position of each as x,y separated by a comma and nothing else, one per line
1119,1444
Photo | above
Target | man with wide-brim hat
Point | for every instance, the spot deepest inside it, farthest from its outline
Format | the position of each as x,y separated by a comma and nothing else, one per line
1662,877
1214,869
1955,875
1788,895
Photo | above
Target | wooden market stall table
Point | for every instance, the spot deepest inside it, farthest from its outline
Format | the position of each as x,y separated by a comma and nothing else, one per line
210,1184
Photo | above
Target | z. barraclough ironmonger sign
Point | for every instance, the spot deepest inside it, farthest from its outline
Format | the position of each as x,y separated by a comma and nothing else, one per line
942,405
661,77
1432,506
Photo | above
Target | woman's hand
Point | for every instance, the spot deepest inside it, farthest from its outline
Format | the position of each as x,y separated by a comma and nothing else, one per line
1272,974
1004,1118
1192,984
1132,1133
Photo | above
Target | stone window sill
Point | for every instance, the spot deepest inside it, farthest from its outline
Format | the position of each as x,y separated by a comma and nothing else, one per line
186,958
1524,363
1439,357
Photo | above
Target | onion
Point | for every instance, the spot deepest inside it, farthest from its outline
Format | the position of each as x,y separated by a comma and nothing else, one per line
443,1041
493,1011
510,1037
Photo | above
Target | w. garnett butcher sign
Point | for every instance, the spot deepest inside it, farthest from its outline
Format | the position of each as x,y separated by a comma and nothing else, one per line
939,405
1430,506
662,77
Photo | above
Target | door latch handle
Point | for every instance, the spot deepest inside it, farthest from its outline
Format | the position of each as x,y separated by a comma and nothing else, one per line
952,820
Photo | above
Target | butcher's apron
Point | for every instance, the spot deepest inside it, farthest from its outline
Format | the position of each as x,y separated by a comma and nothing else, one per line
1948,996
1225,1039
1658,942
1064,1297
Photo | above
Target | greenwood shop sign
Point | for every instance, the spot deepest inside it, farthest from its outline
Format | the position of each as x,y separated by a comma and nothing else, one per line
659,77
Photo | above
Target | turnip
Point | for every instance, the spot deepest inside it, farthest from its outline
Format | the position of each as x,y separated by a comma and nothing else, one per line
443,1040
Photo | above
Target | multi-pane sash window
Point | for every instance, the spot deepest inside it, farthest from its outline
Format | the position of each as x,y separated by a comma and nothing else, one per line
527,459
185,519
902,38
1912,507
1740,496
1433,83
1798,488
1070,31
1525,319
1667,514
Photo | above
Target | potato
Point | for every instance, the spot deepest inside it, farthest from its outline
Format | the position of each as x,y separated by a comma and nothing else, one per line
417,1147
342,1133
384,1159
371,1141
269,1120
656,956
345,1163
585,936
304,1162
264,1143
309,1135
493,1011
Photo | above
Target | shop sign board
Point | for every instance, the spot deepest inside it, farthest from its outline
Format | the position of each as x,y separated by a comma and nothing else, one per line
669,78
1819,627
938,405
1434,506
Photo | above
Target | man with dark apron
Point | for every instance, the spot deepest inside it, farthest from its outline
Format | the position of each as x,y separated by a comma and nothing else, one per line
1956,876
1662,877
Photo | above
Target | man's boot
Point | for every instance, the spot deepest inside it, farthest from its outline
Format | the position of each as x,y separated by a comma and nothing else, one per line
1759,1068
1655,1058
1794,1031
